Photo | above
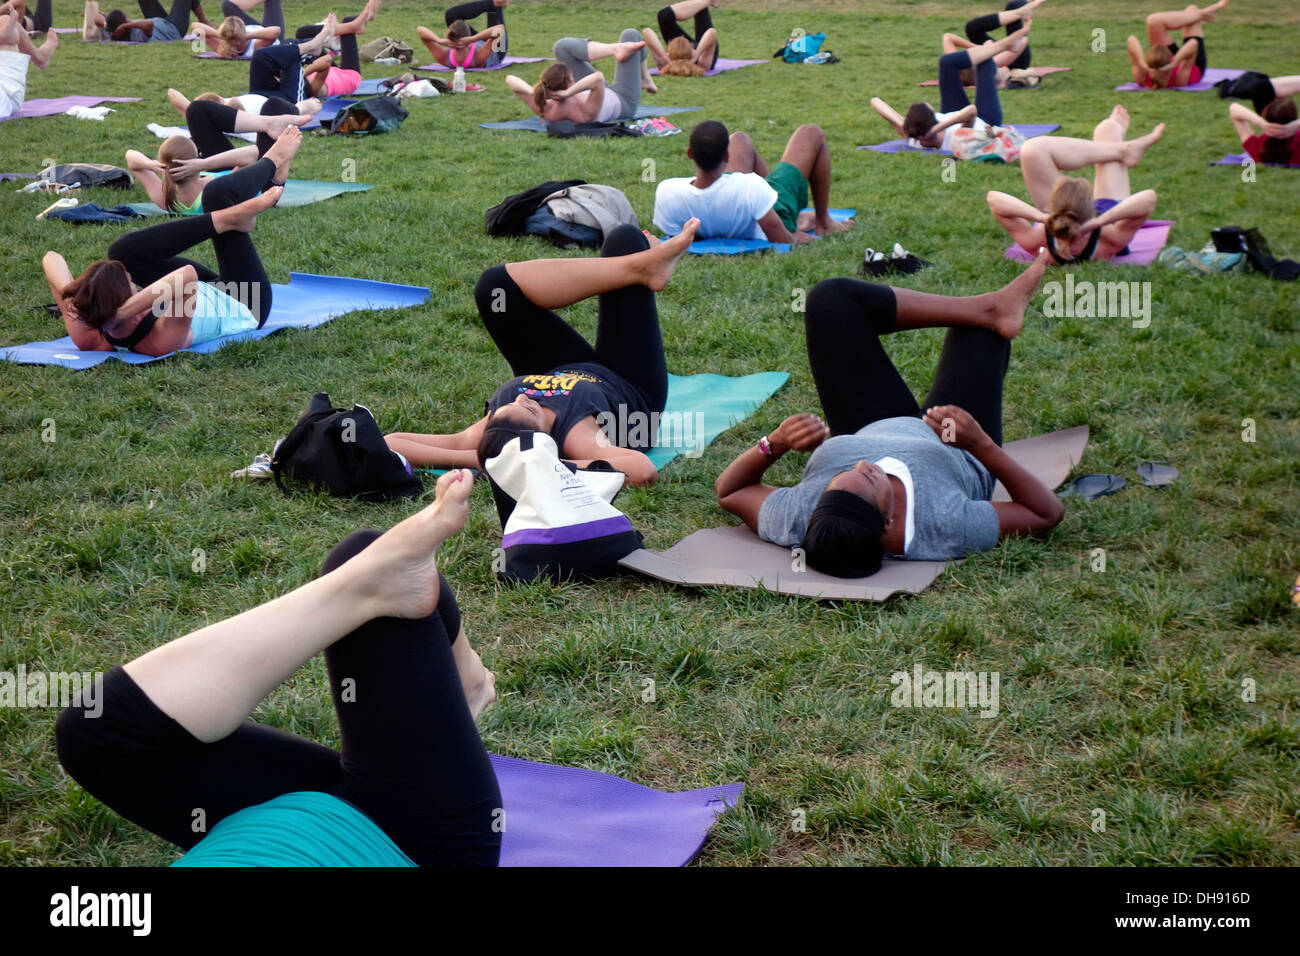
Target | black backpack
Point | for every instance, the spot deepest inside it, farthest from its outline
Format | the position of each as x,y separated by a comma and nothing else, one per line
568,129
378,114
1251,85
507,217
1258,255
344,452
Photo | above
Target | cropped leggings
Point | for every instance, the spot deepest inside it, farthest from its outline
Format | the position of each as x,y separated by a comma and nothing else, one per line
979,28
210,122
952,94
628,340
857,382
410,758
155,251
572,52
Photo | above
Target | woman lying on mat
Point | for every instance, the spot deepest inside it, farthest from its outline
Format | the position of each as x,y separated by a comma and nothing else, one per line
146,298
278,70
234,38
924,127
680,54
562,385
254,103
1278,136
322,77
167,742
462,46
162,26
573,89
1076,221
886,478
1164,63
977,34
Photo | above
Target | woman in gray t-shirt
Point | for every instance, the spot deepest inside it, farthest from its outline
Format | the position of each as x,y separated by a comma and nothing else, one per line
885,478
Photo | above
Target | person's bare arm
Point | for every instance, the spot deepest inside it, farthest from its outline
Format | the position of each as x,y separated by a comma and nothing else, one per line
1137,60
1120,223
740,487
1033,508
888,114
1245,120
148,173
593,84
458,450
524,91
124,31
1022,221
58,275
586,442
963,117
775,230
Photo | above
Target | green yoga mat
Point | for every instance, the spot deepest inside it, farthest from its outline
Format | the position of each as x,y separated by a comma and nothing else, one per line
699,409
702,407
297,192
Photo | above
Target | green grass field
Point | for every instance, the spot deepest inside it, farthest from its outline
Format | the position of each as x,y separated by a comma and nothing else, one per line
1122,691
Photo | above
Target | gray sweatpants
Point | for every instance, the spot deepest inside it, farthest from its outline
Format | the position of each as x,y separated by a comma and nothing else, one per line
572,52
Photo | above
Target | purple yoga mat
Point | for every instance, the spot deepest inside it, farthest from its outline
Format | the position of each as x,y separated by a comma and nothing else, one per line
1143,248
505,61
721,66
567,816
209,55
1028,130
64,103
1239,159
1207,81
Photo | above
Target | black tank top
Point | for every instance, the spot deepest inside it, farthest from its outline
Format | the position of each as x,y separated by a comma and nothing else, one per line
135,337
1084,256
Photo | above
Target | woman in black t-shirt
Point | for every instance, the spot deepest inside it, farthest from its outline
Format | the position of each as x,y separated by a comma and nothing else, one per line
598,403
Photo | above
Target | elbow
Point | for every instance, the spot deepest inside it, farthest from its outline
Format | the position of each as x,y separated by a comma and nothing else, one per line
644,473
1054,516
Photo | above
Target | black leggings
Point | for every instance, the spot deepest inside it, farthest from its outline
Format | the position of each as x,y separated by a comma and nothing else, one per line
1201,61
952,94
209,123
411,758
669,28
979,28
272,14
858,384
496,17
628,341
42,18
349,56
179,15
151,253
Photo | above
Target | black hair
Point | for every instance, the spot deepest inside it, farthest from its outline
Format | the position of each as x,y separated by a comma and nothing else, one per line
843,536
709,143
113,20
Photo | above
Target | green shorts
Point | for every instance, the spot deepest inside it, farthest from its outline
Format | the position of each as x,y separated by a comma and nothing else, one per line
791,192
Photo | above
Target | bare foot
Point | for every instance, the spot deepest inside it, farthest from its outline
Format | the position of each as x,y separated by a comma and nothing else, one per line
1134,148
1009,303
663,255
178,99
46,50
1022,32
282,152
479,683
1119,116
647,81
830,226
661,60
243,216
277,123
626,49
1210,14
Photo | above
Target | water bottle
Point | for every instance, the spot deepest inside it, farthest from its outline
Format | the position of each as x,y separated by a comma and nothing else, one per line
458,81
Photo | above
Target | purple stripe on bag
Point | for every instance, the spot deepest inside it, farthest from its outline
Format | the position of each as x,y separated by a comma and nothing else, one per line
574,532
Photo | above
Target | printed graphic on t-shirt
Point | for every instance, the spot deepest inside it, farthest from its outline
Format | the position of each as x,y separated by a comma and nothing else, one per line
554,383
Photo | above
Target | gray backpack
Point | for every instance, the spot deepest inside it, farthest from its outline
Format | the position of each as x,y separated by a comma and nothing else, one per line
600,207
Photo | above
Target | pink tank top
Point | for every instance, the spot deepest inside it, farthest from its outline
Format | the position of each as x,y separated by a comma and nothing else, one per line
469,58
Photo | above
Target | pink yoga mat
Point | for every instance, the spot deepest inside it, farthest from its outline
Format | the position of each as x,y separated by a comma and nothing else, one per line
1207,81
62,104
1040,70
721,66
1144,248
505,61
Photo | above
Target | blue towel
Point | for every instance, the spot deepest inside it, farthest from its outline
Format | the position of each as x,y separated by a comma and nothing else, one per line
306,302
91,212
731,247
702,407
534,123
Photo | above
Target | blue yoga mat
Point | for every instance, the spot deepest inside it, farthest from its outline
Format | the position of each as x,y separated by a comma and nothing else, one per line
534,123
702,407
732,247
306,302
329,109
567,816
297,192
1028,130
1232,159
370,87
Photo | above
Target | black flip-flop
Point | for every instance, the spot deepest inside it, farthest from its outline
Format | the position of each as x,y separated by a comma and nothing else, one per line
1090,487
1157,474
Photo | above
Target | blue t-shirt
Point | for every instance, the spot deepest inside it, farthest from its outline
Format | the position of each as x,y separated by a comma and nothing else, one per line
306,828
164,31
951,511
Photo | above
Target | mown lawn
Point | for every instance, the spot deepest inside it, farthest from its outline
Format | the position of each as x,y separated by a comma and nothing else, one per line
1121,691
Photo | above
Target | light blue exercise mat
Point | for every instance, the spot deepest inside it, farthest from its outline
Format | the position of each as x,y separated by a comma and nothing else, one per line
306,302
297,192
702,407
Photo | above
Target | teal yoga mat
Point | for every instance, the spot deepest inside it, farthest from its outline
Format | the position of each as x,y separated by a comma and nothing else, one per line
297,192
306,302
702,407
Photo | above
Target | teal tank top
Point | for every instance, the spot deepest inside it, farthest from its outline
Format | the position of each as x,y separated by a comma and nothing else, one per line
217,314
307,828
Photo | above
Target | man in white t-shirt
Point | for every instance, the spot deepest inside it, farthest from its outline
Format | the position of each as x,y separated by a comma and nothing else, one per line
735,196
16,53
